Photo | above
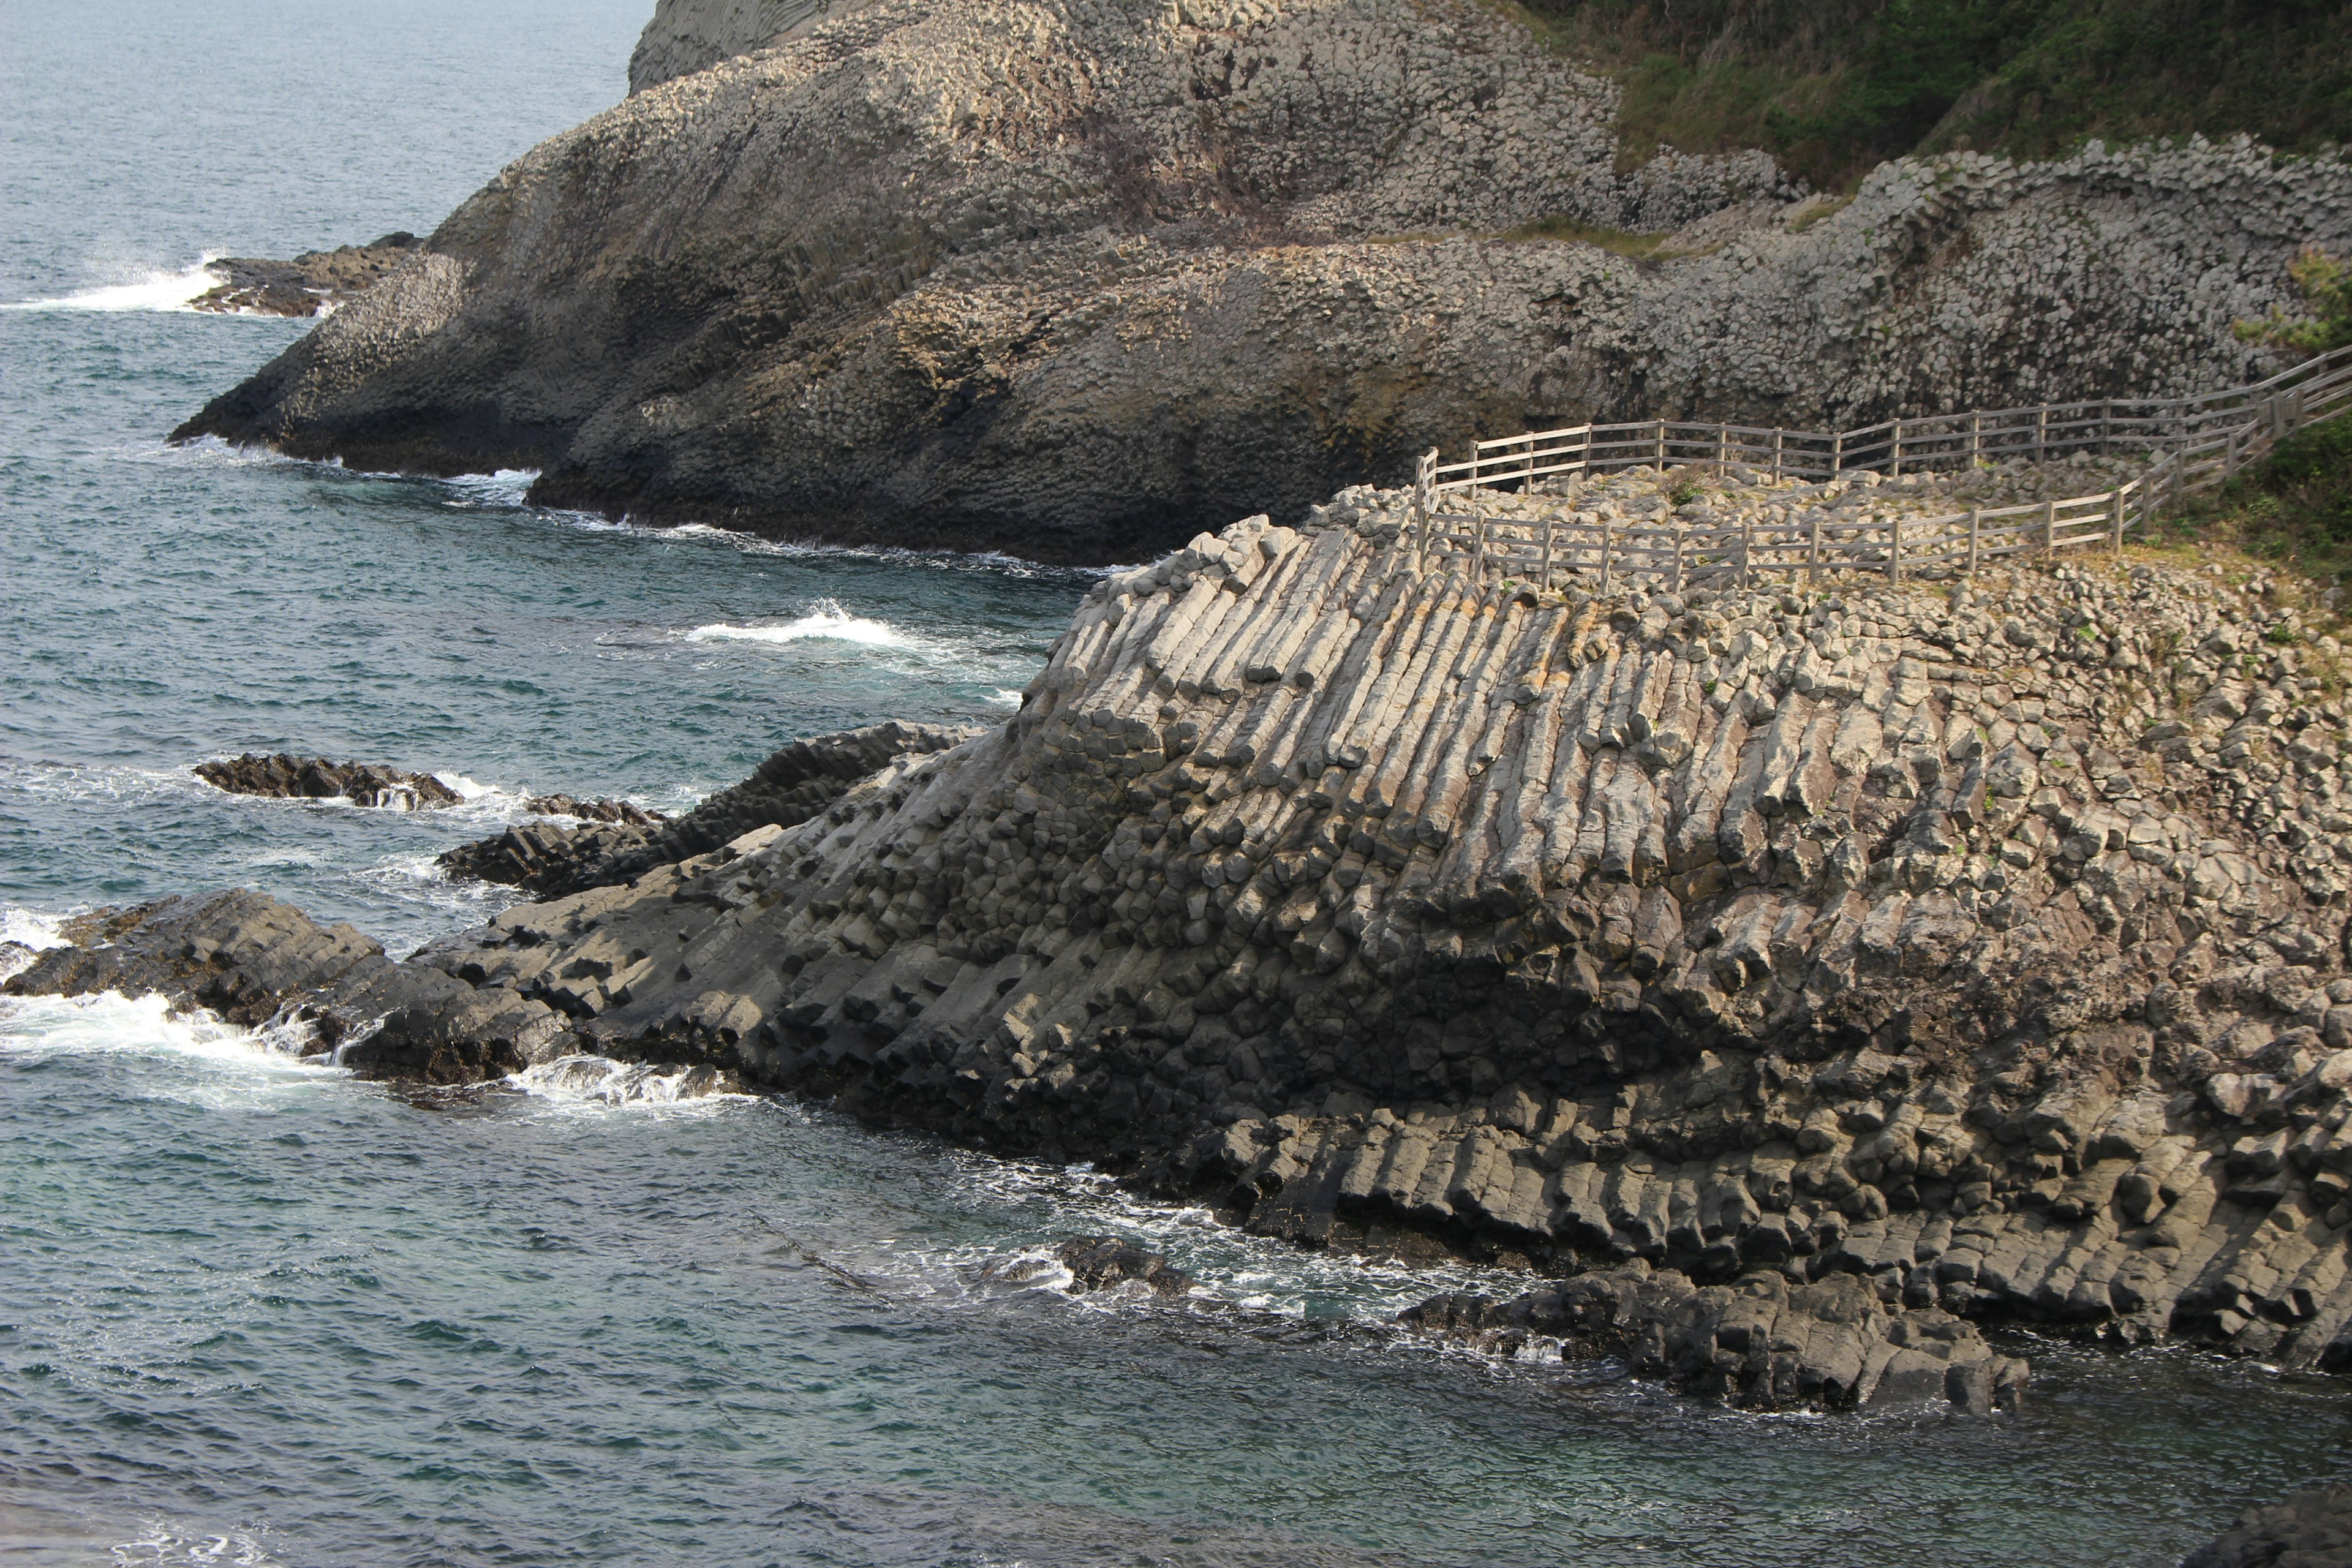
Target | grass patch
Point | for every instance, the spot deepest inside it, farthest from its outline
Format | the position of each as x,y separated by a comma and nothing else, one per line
2292,509
1834,87
1617,241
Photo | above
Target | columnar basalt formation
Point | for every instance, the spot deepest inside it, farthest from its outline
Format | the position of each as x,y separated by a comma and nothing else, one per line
1065,276
312,284
287,777
1983,942
549,859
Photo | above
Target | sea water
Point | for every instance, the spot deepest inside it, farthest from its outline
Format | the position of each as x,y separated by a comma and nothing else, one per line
254,1311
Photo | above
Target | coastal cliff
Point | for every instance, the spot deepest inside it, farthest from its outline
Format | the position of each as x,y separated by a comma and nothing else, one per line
1881,960
1068,279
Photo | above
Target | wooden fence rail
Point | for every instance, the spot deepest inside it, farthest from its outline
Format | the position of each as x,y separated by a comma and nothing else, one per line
2191,443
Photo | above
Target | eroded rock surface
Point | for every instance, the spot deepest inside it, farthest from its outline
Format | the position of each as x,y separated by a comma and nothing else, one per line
1763,1342
1979,945
2311,1530
615,842
313,283
1067,278
285,777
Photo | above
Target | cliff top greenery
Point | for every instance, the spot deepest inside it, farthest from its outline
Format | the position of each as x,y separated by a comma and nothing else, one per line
1834,87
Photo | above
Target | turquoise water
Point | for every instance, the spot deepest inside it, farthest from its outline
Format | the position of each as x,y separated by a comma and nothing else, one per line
255,1312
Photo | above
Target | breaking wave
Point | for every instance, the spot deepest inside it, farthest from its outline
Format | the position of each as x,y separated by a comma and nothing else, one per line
154,290
827,621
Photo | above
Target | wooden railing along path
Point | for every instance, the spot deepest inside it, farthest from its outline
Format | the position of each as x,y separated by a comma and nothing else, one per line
2191,443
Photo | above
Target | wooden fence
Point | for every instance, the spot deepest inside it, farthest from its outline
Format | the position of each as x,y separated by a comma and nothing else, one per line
2190,444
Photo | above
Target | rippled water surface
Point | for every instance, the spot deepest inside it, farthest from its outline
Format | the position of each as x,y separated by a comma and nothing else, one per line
256,1312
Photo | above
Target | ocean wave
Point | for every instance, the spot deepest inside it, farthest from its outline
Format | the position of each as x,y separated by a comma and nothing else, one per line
154,290
38,1028
826,621
592,1081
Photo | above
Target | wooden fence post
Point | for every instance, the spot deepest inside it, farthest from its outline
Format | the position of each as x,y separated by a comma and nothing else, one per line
2041,433
2050,528
1814,558
1976,439
1894,548
1478,546
1895,451
1662,445
1604,552
1775,453
1679,534
1837,454
1746,549
1976,526
1549,522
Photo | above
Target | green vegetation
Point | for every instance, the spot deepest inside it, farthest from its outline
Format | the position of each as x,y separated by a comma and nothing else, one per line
1639,246
1834,87
2326,283
2292,509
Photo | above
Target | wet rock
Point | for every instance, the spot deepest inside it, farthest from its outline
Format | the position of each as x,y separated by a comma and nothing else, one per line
1101,1262
616,841
324,991
311,284
315,778
1366,900
1759,1340
2310,1530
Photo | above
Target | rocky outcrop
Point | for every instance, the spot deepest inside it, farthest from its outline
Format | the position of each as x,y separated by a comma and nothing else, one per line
312,284
284,777
2312,1530
1101,1262
688,35
1066,279
549,859
1978,947
1764,1342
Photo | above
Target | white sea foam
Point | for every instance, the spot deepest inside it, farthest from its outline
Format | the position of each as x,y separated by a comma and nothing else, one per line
590,1081
827,621
1007,696
154,290
39,1027
505,489
27,929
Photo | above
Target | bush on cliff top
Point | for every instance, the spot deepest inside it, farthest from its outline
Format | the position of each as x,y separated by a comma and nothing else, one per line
1834,87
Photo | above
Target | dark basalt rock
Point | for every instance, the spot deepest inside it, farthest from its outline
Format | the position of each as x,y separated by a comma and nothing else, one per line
313,281
285,777
259,963
621,810
1762,1340
550,860
1099,1262
2310,1530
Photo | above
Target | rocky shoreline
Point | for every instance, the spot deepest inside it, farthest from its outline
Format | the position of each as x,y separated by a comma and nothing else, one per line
907,274
1875,962
315,283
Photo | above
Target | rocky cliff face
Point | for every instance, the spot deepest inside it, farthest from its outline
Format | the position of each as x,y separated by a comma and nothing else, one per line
1069,277
1988,952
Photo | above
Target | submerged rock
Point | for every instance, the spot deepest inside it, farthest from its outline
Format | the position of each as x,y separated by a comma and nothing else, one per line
313,283
1101,1262
2311,1531
287,777
1761,1341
